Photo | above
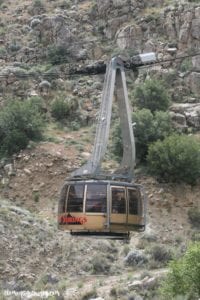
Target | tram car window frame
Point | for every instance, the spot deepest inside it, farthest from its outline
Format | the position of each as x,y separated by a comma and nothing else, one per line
75,199
118,202
135,207
63,200
96,200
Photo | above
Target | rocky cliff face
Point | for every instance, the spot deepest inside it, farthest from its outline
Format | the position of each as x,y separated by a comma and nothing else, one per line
44,40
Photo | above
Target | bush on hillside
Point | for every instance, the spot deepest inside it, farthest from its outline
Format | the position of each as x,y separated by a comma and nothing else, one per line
194,216
61,109
183,278
148,128
152,95
58,54
175,159
19,123
36,8
161,253
65,4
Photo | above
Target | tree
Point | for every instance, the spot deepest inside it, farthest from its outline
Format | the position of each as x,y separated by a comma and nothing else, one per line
148,129
58,54
184,275
19,123
152,95
175,159
62,108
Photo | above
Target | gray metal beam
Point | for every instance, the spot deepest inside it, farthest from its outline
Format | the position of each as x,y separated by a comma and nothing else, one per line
114,73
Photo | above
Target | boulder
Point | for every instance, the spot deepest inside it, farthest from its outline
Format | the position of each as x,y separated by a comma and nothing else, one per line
44,85
194,81
179,120
129,37
146,283
9,170
82,54
103,7
135,258
184,33
197,12
196,63
170,26
4,181
114,24
149,46
118,3
193,118
191,111
195,29
54,30
35,22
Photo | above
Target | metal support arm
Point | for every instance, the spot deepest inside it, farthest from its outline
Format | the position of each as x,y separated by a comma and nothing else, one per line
114,73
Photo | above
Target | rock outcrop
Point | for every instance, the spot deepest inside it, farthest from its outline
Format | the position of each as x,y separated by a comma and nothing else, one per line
186,114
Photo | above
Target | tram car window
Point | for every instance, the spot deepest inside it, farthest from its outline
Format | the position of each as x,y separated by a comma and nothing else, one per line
134,202
118,200
75,198
96,198
62,202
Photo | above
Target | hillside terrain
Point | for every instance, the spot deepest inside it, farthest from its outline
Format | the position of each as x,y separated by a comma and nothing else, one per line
42,43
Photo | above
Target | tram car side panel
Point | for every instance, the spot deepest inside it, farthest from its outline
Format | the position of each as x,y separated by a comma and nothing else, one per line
100,206
83,207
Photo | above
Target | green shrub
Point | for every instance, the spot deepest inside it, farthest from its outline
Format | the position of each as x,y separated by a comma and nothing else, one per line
2,52
151,95
195,236
19,123
183,278
14,46
186,65
194,216
61,109
161,253
37,3
74,125
89,294
100,264
148,129
65,4
36,196
13,142
58,54
38,102
175,159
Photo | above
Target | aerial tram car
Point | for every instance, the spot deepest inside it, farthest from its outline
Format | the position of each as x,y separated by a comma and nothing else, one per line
91,202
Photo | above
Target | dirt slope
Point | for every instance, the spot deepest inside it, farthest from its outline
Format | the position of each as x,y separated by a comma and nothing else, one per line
40,172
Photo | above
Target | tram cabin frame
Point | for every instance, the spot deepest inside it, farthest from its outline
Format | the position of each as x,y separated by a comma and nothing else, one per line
101,208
